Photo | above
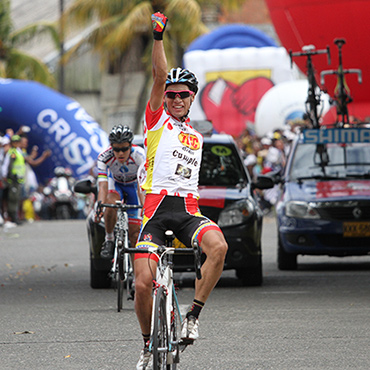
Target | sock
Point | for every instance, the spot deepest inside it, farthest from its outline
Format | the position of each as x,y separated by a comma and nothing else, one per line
195,308
109,237
146,338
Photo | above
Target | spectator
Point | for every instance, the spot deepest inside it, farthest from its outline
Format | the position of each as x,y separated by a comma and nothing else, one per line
4,147
14,170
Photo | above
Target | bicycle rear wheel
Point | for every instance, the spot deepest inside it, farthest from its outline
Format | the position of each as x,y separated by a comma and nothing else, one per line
159,332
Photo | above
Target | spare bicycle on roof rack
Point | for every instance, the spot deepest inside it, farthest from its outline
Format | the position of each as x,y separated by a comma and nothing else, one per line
314,92
341,94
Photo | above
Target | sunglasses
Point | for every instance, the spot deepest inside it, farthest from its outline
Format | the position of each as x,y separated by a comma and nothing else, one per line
124,149
182,94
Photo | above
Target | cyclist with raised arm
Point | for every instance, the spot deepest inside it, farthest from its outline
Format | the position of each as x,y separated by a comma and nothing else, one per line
117,177
170,180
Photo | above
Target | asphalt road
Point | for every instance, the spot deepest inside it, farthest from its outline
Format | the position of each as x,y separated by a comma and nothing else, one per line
315,318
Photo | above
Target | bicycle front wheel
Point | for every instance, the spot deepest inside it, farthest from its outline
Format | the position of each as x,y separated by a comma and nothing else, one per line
120,289
159,332
120,284
174,338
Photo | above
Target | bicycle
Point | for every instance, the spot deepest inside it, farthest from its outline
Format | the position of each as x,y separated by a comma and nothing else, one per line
165,343
121,272
341,93
314,91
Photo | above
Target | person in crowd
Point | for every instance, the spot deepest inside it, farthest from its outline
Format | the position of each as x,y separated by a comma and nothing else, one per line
4,147
14,171
31,183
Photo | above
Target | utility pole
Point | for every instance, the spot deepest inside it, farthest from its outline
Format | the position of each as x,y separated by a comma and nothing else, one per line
61,66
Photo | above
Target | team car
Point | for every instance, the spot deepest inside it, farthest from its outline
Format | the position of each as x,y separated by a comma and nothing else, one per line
227,197
324,207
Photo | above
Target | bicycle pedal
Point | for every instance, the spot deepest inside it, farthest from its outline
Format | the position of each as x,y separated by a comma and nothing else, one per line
182,347
183,343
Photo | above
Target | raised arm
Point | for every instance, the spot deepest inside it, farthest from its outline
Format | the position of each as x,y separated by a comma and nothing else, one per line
159,62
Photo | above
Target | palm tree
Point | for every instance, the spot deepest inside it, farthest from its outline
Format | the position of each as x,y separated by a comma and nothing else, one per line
13,62
120,22
124,24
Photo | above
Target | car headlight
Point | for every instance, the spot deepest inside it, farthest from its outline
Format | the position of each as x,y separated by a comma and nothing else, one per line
299,209
236,213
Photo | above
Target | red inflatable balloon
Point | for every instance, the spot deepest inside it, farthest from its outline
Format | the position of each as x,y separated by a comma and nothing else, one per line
319,22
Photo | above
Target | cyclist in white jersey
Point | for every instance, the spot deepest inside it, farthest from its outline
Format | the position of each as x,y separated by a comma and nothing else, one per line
170,180
117,180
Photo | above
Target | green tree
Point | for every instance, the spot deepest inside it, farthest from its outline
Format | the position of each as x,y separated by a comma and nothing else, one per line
119,25
15,63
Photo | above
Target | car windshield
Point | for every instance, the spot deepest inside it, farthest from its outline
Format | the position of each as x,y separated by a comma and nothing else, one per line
221,166
331,160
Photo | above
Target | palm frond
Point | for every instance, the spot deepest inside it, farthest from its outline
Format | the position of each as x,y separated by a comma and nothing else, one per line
185,20
95,39
24,66
5,20
138,21
27,33
2,69
81,12
232,4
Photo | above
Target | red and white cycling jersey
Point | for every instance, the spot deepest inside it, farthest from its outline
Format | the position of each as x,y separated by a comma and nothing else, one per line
173,155
124,173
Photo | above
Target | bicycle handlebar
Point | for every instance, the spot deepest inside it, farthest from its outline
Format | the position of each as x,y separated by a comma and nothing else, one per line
121,205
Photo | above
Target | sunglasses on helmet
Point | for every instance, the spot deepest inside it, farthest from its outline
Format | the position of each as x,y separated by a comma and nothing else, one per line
124,149
171,94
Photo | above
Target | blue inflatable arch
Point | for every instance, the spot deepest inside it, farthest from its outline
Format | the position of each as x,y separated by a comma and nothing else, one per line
57,123
232,36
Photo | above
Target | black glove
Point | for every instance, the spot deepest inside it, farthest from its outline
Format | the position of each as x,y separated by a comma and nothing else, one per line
159,22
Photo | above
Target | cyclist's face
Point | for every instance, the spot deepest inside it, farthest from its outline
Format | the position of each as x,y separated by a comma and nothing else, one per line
121,151
178,107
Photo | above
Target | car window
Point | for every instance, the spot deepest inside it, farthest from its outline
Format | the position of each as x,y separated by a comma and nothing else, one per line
339,160
221,165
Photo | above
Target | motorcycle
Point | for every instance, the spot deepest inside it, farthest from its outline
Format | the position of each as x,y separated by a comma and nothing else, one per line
65,204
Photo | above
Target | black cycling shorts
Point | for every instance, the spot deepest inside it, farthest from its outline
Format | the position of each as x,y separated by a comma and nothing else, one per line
165,212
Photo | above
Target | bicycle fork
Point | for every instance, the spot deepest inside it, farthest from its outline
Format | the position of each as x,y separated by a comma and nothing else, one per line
165,279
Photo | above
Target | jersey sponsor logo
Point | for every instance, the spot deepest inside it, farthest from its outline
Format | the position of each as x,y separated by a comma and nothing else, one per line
183,171
106,156
189,140
184,157
147,237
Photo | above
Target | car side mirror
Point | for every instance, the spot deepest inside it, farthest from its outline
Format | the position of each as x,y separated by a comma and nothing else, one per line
263,182
85,186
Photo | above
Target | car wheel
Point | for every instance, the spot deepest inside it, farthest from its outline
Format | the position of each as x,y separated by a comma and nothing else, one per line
252,276
286,261
98,279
